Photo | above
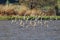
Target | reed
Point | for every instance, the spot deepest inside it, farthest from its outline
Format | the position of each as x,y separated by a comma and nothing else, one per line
22,10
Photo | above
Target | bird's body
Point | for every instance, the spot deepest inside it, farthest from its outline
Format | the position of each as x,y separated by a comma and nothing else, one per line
21,23
13,21
46,23
32,23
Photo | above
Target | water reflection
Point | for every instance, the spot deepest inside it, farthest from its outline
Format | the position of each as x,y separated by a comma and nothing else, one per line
40,32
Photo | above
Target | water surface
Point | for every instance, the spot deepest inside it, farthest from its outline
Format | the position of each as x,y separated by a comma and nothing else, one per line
14,31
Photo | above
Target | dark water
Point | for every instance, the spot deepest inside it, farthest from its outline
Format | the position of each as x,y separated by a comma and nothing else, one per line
14,31
10,1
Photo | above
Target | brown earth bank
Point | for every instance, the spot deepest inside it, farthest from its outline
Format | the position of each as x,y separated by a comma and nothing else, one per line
22,10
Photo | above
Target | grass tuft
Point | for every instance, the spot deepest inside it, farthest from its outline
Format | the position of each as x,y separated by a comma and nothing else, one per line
29,17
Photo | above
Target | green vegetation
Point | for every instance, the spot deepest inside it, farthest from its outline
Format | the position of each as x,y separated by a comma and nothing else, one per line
29,17
24,8
58,2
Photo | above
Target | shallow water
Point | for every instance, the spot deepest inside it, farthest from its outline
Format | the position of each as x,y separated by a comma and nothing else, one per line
14,31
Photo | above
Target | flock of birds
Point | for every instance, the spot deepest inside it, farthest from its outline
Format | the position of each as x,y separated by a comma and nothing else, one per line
32,23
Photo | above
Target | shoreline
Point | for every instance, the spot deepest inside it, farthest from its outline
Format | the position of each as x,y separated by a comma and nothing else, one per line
30,17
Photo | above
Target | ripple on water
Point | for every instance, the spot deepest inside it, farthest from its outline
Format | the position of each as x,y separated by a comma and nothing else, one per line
14,31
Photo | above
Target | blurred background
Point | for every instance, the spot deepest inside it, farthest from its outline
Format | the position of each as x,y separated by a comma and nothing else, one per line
44,5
